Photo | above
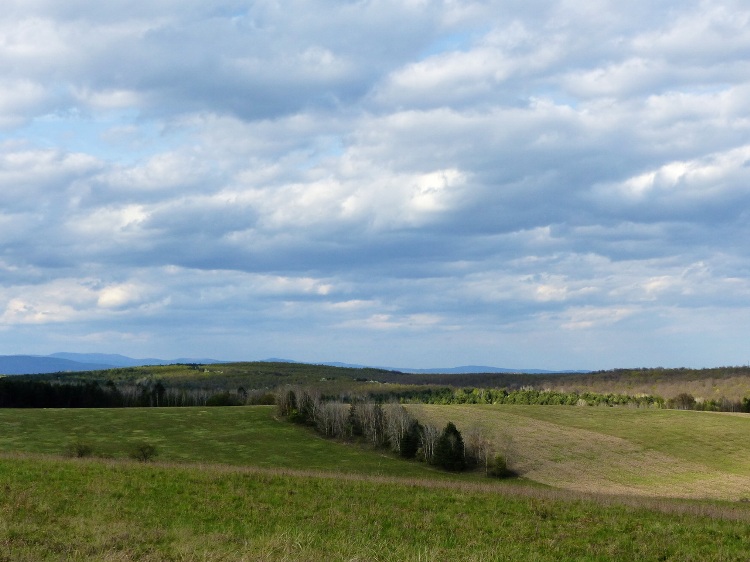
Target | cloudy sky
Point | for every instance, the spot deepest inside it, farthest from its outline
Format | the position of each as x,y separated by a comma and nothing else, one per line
414,183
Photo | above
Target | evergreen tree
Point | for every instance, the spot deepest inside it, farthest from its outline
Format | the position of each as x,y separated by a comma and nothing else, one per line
410,441
449,450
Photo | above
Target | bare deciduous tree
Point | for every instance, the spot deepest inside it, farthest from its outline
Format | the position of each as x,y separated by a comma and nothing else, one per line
397,421
430,436
371,418
479,447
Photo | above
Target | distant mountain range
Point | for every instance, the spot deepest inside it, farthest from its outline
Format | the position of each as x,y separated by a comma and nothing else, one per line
68,362
462,370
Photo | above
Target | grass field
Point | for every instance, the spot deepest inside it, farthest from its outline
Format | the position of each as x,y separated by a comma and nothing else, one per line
84,509
605,450
236,484
247,436
616,450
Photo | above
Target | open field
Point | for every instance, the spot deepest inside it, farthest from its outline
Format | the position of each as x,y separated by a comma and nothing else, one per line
615,450
94,509
606,450
236,484
247,436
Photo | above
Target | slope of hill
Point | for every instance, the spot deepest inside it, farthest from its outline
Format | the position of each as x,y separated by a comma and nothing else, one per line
636,452
626,451
715,384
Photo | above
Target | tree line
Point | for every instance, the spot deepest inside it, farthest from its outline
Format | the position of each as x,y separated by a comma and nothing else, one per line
391,426
25,393
526,395
17,392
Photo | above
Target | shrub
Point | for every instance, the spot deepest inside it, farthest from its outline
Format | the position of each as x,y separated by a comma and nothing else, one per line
682,401
80,449
143,452
223,399
259,398
498,468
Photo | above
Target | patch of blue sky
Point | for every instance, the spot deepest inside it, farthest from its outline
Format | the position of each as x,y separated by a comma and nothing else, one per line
707,89
556,96
234,12
117,137
327,147
454,42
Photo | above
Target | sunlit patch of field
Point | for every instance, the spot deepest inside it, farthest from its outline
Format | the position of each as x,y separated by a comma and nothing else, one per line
614,450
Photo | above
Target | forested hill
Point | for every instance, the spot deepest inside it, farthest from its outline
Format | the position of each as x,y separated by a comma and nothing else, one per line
709,384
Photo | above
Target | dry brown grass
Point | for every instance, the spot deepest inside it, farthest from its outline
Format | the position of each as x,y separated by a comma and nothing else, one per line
591,461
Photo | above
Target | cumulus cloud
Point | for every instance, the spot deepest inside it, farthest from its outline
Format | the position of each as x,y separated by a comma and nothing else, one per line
546,184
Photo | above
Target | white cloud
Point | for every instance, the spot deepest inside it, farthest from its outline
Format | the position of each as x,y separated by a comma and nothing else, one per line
109,99
586,318
18,311
383,170
390,322
707,181
116,296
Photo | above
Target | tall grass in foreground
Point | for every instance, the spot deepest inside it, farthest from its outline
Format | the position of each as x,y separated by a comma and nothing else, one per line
116,510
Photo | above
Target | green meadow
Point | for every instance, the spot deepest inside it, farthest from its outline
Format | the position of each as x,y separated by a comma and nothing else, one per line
107,510
244,436
238,484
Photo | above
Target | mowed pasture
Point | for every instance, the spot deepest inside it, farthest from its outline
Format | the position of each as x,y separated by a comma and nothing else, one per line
642,452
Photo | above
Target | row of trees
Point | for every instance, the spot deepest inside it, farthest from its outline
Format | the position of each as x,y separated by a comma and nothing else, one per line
686,401
391,426
16,392
533,396
525,395
24,393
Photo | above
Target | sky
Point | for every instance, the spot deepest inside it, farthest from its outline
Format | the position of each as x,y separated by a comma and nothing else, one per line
415,183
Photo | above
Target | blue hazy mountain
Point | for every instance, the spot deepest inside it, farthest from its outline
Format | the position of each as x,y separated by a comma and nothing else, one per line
462,370
116,360
69,362
34,365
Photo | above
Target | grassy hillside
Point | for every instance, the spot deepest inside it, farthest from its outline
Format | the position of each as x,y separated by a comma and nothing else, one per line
115,511
247,436
236,484
606,450
615,450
